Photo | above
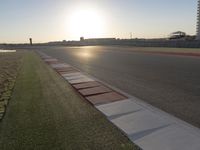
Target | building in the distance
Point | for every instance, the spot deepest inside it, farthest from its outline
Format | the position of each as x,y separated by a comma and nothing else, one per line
31,41
198,22
177,35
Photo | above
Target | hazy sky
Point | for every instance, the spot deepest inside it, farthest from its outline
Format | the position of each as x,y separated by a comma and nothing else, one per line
49,20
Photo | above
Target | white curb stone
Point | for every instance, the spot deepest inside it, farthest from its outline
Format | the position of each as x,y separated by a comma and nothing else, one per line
76,77
150,129
82,80
71,74
60,65
119,108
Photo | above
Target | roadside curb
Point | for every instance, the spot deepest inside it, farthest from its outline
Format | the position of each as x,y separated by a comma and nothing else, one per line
145,125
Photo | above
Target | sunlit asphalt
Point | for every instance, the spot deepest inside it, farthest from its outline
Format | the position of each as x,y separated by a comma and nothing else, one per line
171,83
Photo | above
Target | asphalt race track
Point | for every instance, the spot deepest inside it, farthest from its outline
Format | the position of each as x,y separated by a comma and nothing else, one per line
171,83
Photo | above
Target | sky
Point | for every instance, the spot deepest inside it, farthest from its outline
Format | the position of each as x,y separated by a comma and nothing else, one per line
56,20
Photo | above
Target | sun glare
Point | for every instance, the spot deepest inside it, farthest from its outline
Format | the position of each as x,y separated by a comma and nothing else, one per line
87,23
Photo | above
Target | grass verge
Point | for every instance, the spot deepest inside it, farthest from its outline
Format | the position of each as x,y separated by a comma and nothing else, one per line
45,113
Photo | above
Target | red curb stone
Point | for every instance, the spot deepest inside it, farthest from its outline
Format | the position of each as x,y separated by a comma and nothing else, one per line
65,69
86,85
95,90
105,98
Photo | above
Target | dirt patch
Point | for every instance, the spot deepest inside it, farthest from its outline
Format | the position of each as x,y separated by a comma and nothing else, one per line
9,67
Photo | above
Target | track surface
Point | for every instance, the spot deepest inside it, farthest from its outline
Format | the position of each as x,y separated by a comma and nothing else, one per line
171,83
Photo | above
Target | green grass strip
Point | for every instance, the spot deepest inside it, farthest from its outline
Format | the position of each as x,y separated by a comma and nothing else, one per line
46,114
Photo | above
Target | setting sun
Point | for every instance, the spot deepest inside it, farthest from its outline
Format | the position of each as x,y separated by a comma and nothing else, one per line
86,22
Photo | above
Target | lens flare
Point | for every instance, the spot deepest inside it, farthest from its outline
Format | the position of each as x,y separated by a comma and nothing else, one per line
87,23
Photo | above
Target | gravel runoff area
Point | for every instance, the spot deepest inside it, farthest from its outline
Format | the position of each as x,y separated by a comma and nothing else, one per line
45,113
9,66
